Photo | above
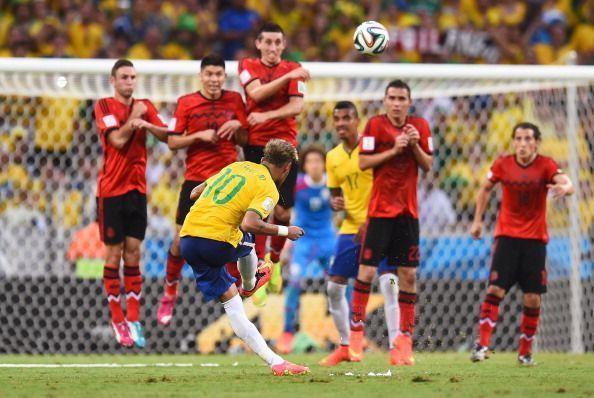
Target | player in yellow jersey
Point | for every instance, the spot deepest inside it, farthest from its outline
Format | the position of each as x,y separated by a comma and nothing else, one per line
231,206
350,189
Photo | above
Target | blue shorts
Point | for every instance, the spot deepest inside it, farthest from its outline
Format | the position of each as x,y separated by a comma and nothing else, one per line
312,256
208,258
346,260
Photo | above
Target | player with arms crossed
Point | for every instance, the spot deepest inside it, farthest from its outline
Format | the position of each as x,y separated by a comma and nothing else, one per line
123,122
521,235
350,189
208,122
231,206
274,91
395,145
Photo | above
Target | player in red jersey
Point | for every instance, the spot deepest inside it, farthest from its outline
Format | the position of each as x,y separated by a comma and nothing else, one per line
274,90
123,122
208,122
521,234
395,145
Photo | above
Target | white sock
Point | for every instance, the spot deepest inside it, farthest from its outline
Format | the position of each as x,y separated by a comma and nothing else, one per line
248,332
389,287
339,309
247,268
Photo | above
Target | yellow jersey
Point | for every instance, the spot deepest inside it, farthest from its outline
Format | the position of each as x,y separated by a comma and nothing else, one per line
342,169
228,195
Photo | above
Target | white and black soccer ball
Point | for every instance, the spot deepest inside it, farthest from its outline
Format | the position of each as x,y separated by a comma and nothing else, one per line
371,38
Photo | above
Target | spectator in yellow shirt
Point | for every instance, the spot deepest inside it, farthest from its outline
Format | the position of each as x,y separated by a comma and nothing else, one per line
86,35
149,47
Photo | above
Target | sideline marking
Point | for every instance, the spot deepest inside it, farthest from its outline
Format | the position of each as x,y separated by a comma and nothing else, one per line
93,365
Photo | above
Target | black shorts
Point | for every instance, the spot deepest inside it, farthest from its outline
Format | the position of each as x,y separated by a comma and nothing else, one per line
396,239
184,203
122,216
287,189
521,261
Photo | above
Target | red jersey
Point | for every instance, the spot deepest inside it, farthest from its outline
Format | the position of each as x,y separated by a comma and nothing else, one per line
394,191
123,170
251,69
195,112
523,212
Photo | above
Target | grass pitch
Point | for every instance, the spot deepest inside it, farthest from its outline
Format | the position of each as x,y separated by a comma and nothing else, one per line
434,375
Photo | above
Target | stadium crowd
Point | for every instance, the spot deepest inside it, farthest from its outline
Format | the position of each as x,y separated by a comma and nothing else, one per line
452,31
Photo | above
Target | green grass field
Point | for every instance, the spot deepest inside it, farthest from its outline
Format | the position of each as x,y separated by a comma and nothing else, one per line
434,375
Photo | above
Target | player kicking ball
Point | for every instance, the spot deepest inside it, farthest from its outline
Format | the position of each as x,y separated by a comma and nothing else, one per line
230,207
520,235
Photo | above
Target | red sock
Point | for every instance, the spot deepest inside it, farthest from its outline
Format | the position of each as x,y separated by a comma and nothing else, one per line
234,272
111,283
359,307
133,284
277,243
174,268
528,329
488,318
261,246
406,302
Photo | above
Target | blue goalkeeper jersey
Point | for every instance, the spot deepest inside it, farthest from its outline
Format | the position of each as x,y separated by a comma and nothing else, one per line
312,208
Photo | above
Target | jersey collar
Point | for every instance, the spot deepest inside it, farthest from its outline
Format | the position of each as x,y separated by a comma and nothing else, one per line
310,183
525,166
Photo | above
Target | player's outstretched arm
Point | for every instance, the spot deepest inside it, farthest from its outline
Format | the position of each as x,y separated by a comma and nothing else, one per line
482,198
260,92
253,223
562,186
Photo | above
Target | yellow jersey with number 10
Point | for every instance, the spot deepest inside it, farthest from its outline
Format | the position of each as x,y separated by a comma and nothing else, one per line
228,195
343,172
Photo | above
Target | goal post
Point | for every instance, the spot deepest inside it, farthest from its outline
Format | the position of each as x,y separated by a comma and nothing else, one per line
51,154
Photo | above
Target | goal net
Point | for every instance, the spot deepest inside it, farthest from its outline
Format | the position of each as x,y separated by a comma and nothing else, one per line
51,293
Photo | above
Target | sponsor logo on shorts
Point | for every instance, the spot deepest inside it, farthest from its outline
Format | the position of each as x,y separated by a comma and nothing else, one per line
413,254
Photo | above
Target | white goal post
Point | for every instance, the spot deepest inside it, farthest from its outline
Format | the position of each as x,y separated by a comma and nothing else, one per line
474,99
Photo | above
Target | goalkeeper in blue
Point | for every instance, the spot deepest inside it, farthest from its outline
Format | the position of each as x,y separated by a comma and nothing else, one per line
312,253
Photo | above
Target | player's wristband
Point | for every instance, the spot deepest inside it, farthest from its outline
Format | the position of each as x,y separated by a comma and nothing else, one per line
282,230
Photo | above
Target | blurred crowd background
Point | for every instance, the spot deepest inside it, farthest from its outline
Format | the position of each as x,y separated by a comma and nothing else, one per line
463,31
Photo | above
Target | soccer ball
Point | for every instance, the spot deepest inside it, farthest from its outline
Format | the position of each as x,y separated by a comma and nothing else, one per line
371,38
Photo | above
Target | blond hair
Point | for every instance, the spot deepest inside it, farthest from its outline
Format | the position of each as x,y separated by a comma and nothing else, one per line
279,152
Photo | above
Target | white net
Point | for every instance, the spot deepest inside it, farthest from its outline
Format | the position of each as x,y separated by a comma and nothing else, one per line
51,298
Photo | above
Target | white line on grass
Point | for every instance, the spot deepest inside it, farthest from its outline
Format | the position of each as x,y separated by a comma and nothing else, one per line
92,365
